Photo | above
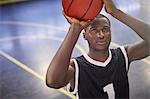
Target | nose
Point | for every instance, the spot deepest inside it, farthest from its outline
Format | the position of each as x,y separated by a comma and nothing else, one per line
100,34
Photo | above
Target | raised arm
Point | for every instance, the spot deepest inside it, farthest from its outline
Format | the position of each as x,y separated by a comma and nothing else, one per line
61,69
138,50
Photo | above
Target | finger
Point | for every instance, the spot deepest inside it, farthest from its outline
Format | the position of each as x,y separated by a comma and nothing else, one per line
105,9
64,13
89,21
68,18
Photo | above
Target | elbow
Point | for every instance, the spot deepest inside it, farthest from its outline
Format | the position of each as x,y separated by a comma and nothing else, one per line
53,84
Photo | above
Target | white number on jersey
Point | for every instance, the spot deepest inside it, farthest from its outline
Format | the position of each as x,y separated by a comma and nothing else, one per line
110,91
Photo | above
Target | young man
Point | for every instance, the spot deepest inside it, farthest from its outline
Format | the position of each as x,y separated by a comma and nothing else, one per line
102,72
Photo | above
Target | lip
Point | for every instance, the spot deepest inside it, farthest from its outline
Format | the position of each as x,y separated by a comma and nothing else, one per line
100,42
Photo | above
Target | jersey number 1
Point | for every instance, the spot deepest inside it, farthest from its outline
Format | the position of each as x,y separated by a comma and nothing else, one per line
110,90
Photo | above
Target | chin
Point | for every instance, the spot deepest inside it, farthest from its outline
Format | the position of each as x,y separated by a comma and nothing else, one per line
101,48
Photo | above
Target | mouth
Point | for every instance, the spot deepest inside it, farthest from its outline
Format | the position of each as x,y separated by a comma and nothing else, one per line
101,42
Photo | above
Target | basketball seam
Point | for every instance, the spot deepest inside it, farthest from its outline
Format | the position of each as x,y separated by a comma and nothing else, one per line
87,9
69,6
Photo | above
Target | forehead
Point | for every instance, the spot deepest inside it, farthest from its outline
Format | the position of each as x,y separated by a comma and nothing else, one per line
100,22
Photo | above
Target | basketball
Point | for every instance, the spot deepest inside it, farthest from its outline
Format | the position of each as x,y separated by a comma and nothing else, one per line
82,9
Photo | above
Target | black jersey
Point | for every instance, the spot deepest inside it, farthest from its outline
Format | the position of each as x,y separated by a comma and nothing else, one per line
99,80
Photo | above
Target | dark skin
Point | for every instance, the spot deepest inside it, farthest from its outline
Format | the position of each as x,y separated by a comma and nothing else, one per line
61,70
98,35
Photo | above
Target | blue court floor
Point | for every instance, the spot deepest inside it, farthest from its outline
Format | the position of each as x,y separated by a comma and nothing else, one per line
32,31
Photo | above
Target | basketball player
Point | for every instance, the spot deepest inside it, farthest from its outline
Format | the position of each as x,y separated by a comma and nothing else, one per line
102,72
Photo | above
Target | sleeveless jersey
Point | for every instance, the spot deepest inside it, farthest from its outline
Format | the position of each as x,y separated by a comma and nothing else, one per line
107,80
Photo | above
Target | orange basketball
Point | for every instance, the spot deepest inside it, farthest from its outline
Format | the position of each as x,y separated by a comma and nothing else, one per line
82,9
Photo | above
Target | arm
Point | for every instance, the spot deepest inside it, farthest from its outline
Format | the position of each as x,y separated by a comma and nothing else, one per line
138,50
61,69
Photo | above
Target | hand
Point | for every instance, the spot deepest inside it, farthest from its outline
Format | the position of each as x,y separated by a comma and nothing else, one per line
72,20
109,6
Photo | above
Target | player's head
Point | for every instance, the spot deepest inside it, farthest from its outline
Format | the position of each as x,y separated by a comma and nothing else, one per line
98,33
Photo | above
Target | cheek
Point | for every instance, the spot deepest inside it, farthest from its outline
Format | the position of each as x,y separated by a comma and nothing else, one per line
108,36
90,35
109,39
90,39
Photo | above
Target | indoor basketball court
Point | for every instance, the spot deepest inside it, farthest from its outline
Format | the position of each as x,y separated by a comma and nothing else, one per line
31,31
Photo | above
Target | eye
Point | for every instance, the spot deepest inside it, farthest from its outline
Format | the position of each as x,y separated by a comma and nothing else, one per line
106,29
93,30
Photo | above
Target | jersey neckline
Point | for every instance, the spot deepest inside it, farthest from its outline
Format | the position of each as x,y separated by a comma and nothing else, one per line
98,63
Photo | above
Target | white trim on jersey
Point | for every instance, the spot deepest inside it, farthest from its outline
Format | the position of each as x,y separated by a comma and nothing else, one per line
75,90
77,96
125,55
98,63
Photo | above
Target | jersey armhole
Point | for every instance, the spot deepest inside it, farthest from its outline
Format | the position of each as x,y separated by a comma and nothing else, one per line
74,91
125,56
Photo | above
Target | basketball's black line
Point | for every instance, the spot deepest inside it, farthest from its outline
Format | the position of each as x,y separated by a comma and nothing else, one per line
87,9
69,6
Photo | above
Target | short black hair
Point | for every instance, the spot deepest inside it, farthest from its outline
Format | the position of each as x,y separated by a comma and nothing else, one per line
103,16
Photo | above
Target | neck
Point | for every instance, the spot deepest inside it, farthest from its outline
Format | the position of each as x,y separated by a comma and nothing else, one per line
100,55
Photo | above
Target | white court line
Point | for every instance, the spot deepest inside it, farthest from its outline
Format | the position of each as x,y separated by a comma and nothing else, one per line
26,68
10,1
30,37
57,39
44,37
31,24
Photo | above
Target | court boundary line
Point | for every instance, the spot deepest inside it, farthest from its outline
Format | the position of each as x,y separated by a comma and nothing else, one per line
58,39
33,24
44,37
11,1
31,71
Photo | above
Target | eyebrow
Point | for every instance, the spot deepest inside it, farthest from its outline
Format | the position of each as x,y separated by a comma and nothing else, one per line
102,27
106,26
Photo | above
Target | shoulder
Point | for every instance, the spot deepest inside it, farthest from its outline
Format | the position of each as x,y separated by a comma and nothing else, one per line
74,60
120,54
122,50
